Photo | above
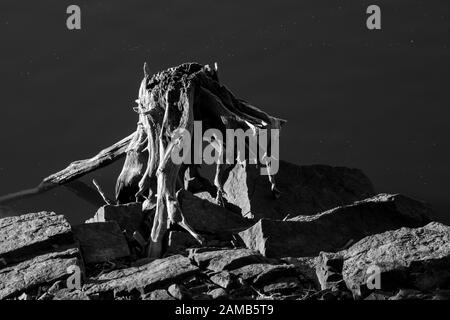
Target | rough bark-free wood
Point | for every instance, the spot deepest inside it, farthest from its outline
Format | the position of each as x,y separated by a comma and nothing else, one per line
168,104
74,171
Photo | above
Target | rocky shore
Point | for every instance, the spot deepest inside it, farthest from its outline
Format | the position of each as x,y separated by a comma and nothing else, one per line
328,236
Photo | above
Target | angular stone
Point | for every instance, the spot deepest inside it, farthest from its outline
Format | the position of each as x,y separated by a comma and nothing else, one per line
304,190
40,270
25,236
148,277
407,258
128,216
251,271
179,292
329,271
260,274
223,279
102,241
160,294
207,217
66,294
226,259
335,229
218,294
274,272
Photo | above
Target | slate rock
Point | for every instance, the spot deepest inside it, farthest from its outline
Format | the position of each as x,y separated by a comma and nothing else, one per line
25,236
148,277
40,270
67,294
329,271
223,279
304,190
128,216
335,229
101,241
274,272
179,292
226,259
407,258
218,294
207,217
159,294
249,272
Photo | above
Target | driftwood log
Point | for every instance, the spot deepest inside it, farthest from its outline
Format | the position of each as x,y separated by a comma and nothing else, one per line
169,102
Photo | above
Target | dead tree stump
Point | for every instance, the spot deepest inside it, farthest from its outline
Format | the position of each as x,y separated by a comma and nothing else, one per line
168,104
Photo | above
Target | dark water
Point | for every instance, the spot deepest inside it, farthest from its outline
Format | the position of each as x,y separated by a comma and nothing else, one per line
378,101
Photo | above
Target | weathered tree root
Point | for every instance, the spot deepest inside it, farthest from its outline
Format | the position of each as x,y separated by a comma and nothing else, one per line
169,102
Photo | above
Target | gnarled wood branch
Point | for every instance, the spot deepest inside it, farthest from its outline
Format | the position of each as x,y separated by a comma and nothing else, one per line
74,171
169,101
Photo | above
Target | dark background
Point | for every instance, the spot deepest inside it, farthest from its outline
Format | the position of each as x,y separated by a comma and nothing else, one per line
375,100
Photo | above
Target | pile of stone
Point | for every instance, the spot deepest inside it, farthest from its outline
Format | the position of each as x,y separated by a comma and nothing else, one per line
328,237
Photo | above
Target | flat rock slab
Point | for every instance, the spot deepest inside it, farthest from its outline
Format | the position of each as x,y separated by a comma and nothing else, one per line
25,236
407,258
66,294
148,277
226,259
275,272
249,272
223,279
335,229
102,241
43,269
305,190
207,217
128,216
260,274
